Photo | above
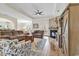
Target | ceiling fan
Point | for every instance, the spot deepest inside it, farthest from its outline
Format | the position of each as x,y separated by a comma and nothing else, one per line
38,12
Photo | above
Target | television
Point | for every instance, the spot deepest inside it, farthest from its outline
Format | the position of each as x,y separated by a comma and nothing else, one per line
53,33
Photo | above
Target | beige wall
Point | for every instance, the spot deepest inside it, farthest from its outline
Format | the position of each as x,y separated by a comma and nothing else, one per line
43,24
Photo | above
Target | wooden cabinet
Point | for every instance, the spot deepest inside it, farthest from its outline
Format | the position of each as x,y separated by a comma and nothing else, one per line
74,29
70,30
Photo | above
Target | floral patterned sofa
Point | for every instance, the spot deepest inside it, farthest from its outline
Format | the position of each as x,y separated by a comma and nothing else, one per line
16,48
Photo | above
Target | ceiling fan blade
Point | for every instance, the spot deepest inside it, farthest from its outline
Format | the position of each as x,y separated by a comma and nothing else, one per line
37,12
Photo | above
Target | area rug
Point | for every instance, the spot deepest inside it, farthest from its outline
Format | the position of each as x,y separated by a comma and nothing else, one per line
41,44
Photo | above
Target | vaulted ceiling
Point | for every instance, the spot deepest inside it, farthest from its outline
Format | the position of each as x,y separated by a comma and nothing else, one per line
23,10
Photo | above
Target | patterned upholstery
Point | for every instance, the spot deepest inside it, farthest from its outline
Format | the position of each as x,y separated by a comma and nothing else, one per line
16,48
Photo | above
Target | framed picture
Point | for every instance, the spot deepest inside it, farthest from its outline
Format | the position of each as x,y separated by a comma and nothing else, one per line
35,25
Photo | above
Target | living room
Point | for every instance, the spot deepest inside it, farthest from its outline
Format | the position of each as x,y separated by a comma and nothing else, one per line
31,29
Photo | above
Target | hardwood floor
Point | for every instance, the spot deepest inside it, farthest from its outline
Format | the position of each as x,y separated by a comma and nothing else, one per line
50,49
46,49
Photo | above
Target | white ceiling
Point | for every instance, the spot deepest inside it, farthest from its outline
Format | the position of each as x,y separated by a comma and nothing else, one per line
24,10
